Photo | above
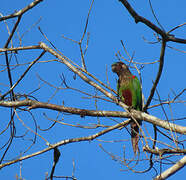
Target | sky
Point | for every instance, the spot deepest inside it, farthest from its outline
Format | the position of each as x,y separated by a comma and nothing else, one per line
109,23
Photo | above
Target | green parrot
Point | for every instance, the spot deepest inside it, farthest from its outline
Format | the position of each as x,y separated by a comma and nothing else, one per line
129,91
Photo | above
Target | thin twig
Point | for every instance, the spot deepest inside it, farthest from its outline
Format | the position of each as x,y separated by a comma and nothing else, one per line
155,15
86,25
176,27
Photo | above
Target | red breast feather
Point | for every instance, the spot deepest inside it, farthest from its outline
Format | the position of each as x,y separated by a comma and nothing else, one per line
127,95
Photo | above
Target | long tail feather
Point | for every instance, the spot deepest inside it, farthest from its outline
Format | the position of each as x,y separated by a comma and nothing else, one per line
134,136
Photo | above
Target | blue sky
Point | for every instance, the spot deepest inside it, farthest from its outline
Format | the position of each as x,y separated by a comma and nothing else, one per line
109,23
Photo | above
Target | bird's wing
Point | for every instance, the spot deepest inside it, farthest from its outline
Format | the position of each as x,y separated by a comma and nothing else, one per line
136,94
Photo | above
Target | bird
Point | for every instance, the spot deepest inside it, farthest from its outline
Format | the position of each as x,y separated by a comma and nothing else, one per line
130,92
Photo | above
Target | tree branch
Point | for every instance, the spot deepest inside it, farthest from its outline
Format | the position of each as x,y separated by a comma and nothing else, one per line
19,48
84,112
22,11
68,141
180,164
164,151
81,75
145,21
6,54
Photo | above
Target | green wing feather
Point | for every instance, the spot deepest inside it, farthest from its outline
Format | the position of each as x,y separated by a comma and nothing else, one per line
136,94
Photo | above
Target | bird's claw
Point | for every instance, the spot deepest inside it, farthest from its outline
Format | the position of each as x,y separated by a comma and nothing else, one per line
130,108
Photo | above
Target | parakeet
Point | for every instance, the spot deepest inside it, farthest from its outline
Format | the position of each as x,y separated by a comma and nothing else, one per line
129,91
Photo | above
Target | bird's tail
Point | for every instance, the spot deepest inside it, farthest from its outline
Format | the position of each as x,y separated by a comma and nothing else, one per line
135,136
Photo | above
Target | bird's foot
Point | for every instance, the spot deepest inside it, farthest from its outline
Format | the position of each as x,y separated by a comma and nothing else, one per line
130,108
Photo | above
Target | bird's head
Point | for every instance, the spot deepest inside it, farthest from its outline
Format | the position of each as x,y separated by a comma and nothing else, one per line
120,67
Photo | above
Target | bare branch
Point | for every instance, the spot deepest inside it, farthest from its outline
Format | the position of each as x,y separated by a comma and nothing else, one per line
164,151
67,141
81,75
139,18
169,172
6,54
19,48
177,27
86,25
22,11
84,112
163,147
150,3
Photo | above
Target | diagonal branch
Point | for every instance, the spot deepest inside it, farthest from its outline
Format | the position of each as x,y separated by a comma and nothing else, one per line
22,11
13,31
139,18
81,75
68,141
169,172
145,21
